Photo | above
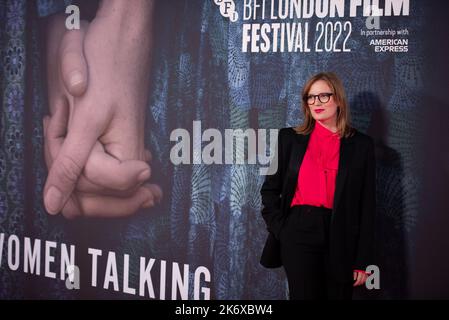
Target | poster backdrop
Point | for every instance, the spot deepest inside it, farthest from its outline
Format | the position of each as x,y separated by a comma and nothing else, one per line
224,69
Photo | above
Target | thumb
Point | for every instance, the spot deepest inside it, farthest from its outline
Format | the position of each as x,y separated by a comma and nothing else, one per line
68,165
73,63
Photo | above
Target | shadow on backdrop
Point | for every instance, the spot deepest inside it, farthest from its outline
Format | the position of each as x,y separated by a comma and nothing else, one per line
390,254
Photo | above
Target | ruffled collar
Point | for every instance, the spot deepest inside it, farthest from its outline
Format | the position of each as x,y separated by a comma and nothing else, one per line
324,132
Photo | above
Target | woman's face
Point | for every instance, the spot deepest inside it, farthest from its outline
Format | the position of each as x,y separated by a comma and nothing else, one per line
325,110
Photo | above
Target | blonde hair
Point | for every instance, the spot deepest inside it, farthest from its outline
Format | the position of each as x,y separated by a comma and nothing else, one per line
344,128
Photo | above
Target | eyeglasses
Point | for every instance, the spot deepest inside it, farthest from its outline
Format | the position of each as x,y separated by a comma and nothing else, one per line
323,97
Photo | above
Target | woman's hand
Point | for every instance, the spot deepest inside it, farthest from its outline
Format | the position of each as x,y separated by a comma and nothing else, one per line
359,277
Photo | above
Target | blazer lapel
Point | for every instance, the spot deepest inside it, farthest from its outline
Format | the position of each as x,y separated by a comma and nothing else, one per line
299,147
346,149
298,152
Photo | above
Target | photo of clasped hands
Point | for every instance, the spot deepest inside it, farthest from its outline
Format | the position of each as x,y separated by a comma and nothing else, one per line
98,82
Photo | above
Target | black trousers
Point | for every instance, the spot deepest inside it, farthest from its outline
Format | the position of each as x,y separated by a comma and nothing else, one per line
305,255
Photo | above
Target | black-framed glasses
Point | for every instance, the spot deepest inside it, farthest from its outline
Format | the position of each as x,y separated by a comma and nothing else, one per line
323,97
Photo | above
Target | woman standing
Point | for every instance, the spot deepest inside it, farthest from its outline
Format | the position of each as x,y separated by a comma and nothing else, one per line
319,206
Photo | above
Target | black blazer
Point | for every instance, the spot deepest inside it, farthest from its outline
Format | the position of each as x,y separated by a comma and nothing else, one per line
352,221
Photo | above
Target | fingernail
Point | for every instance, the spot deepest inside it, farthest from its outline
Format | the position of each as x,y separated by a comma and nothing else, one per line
149,203
76,78
53,200
144,175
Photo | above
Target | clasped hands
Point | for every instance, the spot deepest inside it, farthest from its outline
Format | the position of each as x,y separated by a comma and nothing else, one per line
98,82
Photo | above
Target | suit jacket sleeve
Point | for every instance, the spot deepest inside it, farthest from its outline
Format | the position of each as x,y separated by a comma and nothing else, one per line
365,249
272,189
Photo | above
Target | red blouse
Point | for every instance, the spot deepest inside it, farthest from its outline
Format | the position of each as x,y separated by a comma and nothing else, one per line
318,172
